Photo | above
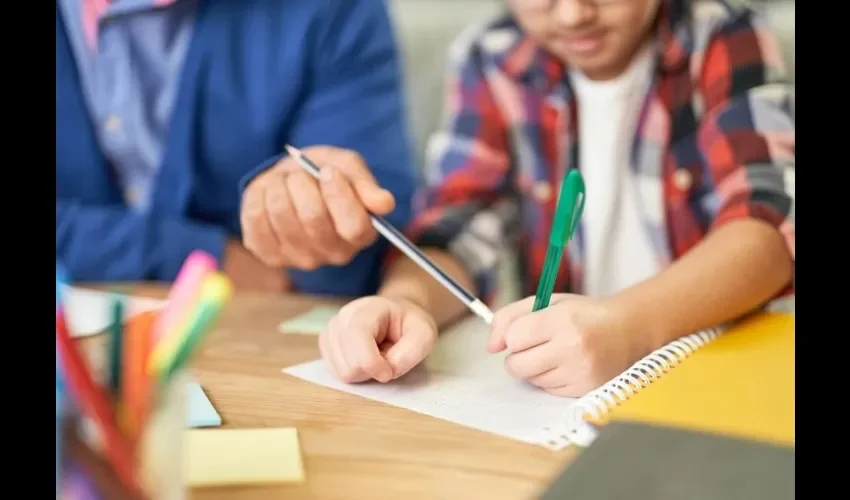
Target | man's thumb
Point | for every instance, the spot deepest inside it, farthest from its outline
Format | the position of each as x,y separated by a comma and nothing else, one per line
374,198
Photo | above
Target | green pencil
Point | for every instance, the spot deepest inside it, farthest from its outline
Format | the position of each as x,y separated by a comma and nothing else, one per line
567,215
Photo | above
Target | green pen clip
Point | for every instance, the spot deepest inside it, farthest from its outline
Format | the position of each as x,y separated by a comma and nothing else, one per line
567,216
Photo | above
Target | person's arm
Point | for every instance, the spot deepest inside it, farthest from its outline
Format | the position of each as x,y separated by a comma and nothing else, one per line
355,101
747,140
467,216
113,243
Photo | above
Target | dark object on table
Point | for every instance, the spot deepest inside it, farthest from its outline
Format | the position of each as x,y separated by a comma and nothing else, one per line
632,461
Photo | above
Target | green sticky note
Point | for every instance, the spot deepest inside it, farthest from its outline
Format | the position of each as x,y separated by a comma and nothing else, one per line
310,323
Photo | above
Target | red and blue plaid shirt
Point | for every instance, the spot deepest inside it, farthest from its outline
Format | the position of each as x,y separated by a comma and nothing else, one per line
716,140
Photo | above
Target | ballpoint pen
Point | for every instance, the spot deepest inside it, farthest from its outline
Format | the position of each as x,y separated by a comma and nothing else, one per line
567,215
402,243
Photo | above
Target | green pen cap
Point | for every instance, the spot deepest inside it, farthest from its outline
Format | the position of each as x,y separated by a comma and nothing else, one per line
569,209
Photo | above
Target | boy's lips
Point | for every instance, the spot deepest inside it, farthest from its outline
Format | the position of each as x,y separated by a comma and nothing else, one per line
583,44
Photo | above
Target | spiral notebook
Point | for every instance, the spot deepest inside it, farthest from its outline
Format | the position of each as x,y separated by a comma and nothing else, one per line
461,383
740,385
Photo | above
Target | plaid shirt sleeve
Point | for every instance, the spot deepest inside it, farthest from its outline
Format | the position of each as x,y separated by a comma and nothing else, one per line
464,208
747,133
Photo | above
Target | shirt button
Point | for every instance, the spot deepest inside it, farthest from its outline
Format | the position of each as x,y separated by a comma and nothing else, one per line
541,192
131,196
682,179
113,124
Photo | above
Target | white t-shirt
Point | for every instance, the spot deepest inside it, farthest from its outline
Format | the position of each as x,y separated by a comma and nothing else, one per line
618,250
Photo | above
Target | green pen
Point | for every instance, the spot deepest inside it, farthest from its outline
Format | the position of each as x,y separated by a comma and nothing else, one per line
567,215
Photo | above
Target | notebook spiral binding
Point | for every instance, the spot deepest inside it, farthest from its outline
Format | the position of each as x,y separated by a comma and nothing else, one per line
597,403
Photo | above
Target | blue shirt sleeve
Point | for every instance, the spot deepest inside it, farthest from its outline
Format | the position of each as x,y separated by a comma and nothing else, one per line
104,243
356,101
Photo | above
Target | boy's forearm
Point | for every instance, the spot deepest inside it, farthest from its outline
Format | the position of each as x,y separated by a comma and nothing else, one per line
734,270
407,280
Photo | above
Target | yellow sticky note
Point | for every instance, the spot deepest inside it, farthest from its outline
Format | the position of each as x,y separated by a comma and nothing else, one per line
221,457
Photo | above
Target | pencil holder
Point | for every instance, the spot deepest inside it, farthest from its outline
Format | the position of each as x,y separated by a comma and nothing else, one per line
161,445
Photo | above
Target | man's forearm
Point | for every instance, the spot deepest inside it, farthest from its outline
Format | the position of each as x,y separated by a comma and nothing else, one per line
734,270
407,280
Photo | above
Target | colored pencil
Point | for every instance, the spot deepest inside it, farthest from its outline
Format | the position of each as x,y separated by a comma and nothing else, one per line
136,382
143,355
215,291
59,409
102,475
116,332
91,399
184,292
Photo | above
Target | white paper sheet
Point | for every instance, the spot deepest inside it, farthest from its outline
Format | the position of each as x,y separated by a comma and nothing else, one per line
88,311
462,383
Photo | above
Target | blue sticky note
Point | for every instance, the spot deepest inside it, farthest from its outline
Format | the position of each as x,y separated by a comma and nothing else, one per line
201,411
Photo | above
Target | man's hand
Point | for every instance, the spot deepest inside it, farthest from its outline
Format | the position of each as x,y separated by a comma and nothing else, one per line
568,349
291,220
248,273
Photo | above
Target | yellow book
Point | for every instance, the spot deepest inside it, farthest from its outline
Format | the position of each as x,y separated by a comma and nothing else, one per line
739,382
224,457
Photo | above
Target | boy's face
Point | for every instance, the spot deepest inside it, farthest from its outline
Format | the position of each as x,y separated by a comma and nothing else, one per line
598,37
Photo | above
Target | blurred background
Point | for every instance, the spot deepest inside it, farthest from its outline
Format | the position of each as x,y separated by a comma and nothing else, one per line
425,29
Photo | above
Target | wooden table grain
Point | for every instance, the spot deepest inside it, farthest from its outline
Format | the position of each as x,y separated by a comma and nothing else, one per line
352,448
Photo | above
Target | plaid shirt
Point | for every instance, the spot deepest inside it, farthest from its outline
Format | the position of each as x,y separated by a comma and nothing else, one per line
715,140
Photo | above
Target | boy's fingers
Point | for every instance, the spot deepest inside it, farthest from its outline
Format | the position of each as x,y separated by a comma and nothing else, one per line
502,320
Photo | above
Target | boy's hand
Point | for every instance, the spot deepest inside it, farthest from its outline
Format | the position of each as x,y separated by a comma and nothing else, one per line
377,338
570,348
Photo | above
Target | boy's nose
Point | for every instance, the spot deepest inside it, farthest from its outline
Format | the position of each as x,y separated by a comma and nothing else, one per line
574,13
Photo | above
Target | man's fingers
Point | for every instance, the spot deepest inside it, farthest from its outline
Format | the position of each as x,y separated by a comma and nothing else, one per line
375,198
316,220
284,220
351,221
260,238
354,168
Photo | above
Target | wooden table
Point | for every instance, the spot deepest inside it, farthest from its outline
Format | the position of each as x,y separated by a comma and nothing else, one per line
353,448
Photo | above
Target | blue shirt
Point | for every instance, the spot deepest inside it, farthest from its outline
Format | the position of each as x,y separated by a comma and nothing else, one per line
257,74
129,54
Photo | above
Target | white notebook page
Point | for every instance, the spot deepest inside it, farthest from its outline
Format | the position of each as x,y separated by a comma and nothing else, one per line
462,383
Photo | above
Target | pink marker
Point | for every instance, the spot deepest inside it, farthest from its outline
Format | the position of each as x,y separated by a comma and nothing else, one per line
184,290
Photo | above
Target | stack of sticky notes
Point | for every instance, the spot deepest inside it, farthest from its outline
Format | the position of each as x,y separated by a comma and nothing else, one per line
228,457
